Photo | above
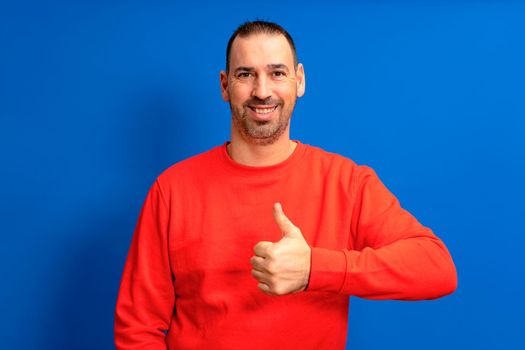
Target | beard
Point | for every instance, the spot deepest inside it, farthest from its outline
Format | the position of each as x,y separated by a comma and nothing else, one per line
260,132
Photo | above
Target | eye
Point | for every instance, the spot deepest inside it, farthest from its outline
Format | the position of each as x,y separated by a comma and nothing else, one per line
279,74
244,75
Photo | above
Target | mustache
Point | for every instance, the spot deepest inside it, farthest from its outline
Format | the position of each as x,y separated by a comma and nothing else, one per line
260,102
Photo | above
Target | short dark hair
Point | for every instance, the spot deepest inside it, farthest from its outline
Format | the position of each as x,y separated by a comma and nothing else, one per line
259,27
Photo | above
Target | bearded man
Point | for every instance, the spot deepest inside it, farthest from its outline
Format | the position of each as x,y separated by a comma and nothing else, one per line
258,243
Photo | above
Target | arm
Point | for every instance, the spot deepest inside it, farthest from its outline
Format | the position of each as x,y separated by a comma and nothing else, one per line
146,297
393,255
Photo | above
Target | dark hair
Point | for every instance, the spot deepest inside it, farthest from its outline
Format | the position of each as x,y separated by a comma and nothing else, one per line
259,27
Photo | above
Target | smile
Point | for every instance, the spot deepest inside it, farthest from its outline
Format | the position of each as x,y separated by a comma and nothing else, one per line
264,110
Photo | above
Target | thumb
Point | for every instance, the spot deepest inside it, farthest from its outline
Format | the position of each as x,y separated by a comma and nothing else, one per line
287,228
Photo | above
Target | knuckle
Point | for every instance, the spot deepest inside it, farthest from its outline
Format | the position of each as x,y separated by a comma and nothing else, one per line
273,282
257,248
270,251
272,268
279,290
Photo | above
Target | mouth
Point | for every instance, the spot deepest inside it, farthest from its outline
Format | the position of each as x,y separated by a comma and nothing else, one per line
262,112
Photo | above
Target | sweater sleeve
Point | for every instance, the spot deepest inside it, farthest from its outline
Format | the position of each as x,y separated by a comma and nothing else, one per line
146,297
392,255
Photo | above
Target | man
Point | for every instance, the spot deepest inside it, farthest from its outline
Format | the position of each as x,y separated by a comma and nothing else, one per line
257,244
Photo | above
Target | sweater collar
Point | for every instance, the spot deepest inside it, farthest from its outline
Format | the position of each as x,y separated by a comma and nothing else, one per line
245,170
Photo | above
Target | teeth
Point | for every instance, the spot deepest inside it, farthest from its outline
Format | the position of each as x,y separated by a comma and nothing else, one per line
264,110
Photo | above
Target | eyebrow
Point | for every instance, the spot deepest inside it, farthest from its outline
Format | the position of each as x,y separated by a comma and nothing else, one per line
278,66
269,66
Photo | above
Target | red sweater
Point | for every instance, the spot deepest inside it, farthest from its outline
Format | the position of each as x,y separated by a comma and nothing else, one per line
187,282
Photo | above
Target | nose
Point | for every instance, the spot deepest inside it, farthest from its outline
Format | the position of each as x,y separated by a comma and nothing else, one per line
261,88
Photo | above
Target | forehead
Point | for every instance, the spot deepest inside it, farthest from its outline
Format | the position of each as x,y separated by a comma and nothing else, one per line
260,50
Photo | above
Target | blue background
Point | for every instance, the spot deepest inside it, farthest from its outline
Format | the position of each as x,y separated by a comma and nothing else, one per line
98,97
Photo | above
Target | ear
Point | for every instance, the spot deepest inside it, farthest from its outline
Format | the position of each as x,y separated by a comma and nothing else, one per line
300,80
224,86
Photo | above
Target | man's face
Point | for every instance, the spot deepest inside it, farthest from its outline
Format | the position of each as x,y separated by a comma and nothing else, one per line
262,86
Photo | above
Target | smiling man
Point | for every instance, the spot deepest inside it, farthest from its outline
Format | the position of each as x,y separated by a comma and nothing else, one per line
262,85
259,242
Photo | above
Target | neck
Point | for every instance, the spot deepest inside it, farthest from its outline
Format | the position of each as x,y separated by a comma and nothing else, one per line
250,154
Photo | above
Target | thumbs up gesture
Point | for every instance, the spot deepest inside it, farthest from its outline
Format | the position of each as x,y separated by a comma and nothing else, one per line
282,267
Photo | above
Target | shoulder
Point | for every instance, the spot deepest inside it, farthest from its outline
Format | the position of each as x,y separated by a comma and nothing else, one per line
337,168
330,161
190,169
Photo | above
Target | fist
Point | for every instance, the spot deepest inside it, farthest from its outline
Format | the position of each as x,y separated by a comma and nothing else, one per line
282,267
